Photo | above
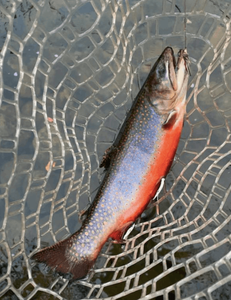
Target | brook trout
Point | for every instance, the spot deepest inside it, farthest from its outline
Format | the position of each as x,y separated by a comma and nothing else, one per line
140,157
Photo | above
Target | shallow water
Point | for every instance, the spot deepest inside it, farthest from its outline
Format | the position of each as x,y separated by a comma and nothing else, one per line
70,71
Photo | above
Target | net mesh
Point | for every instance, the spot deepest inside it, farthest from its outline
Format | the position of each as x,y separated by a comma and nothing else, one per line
69,72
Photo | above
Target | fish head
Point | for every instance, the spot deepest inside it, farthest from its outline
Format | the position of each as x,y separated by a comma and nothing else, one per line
169,80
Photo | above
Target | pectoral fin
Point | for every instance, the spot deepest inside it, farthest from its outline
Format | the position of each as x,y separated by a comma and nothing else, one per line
129,230
161,186
171,118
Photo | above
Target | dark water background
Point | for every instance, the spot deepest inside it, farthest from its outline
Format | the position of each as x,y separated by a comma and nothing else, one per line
70,71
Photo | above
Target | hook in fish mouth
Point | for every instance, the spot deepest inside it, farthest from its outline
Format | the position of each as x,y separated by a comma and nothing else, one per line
165,69
169,78
183,54
170,70
168,56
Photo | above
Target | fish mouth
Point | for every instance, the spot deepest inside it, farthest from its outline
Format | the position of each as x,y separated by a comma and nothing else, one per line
174,67
169,56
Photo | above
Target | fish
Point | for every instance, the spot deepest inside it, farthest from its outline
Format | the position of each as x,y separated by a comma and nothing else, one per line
135,164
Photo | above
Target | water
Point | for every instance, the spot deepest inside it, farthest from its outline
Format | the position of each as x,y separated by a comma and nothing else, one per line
70,71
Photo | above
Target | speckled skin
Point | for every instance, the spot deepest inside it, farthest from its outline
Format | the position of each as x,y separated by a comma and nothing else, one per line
140,157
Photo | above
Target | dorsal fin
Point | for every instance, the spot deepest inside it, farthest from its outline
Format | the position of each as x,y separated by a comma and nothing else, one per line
108,154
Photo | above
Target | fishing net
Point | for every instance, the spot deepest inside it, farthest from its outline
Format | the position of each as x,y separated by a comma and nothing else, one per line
69,72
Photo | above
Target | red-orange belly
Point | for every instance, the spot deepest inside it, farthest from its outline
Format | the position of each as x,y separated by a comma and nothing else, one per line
134,181
158,168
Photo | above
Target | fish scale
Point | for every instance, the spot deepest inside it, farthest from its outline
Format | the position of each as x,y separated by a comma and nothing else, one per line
140,157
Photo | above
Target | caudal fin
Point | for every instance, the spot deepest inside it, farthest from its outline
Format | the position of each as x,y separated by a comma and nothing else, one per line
58,257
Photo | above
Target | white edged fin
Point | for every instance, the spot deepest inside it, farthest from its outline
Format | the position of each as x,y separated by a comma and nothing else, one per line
128,231
162,182
170,118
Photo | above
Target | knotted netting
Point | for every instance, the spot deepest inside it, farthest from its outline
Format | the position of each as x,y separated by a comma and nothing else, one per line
69,72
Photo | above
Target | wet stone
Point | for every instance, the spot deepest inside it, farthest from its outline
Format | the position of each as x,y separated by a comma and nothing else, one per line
197,284
13,229
67,33
224,270
215,254
41,166
222,292
40,80
27,124
8,121
32,201
53,16
27,290
10,295
57,75
3,284
30,55
18,187
83,18
58,220
8,95
81,48
25,101
6,167
11,70
26,147
4,260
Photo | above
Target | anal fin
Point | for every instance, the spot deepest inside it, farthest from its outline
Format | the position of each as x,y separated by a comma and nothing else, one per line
162,185
125,237
153,201
119,236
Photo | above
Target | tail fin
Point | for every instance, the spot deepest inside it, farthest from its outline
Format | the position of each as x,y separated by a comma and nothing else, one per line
59,258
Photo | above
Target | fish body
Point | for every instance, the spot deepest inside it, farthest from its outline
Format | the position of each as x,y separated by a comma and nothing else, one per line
140,157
